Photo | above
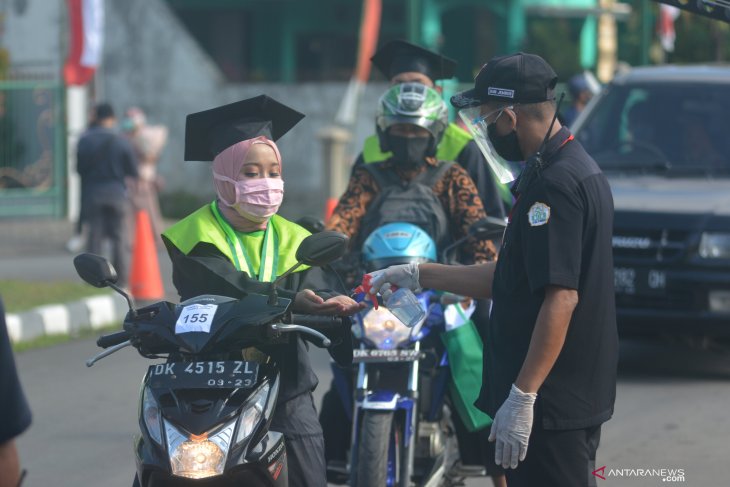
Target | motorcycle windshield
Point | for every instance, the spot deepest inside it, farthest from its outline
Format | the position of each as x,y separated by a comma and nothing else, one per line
206,323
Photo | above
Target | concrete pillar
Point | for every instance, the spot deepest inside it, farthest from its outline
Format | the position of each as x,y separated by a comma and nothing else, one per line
77,113
336,165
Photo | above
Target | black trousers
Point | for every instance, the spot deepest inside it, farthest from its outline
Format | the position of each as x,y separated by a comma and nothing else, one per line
297,420
335,425
558,458
108,218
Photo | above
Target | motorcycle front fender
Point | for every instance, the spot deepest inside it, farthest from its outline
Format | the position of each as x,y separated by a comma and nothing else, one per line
381,401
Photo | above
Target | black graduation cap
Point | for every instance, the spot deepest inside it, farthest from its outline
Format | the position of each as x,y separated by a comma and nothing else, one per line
210,132
399,56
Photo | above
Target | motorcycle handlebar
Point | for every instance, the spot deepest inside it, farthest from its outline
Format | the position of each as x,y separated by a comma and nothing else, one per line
318,322
106,341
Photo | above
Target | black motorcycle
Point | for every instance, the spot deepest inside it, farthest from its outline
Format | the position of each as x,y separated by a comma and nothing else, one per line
205,411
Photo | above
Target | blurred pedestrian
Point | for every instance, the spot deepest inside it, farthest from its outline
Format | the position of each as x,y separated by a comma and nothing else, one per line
580,93
14,410
76,243
106,163
148,141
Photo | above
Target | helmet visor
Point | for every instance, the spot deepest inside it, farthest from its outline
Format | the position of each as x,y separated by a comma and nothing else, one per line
476,123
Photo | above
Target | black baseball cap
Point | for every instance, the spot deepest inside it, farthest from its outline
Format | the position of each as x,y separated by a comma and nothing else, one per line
516,78
210,132
399,56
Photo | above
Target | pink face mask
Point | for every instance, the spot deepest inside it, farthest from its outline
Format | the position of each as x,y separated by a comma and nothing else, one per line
257,199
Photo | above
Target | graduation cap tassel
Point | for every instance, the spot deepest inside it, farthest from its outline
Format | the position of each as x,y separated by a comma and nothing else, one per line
369,30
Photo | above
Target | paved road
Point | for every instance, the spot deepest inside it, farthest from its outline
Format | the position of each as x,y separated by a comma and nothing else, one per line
671,413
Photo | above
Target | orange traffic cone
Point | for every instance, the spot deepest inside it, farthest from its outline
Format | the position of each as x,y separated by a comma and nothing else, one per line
144,280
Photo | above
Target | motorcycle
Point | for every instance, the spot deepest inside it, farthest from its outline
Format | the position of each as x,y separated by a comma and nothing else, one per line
401,426
205,411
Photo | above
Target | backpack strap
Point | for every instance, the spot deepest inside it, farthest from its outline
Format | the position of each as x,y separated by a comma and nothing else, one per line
433,174
383,178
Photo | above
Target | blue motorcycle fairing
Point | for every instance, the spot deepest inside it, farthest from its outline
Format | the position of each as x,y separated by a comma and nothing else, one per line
381,400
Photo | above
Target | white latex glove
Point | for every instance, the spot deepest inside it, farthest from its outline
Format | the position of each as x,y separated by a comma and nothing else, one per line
404,275
511,428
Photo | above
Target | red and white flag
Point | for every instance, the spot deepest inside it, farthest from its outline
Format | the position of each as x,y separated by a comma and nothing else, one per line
86,28
665,26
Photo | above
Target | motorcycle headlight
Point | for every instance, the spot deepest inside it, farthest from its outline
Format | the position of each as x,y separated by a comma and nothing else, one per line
253,412
715,246
383,329
151,415
198,456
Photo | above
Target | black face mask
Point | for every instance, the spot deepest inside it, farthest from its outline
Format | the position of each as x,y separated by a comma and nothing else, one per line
409,151
507,146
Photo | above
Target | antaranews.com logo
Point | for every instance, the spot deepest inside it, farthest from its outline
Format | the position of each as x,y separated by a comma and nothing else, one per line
665,474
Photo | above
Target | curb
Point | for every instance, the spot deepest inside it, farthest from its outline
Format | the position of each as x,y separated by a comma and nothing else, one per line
59,319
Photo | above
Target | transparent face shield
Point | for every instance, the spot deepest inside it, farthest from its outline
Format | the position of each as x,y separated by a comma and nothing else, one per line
476,123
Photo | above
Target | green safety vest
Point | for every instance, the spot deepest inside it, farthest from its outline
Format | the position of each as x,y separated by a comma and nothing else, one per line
275,247
452,143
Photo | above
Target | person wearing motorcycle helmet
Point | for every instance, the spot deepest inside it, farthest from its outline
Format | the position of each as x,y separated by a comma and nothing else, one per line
238,245
410,122
402,62
412,185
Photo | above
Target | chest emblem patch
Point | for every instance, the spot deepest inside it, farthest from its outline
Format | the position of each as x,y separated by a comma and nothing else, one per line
539,214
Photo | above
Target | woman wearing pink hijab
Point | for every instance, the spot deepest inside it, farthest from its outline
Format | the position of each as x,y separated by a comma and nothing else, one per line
238,244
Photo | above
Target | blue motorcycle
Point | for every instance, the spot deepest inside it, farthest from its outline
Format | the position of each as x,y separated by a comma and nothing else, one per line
397,402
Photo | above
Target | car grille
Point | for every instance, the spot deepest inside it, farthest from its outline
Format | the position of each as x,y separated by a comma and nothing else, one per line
649,245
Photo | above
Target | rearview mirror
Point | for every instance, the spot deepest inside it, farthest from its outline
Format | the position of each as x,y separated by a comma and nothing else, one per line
488,228
95,270
322,248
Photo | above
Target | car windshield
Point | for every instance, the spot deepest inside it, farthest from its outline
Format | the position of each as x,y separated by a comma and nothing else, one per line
662,128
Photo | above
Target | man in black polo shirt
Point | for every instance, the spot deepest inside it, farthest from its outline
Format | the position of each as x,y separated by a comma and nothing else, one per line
551,346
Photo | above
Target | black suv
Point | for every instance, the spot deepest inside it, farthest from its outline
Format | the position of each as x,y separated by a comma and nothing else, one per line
662,136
